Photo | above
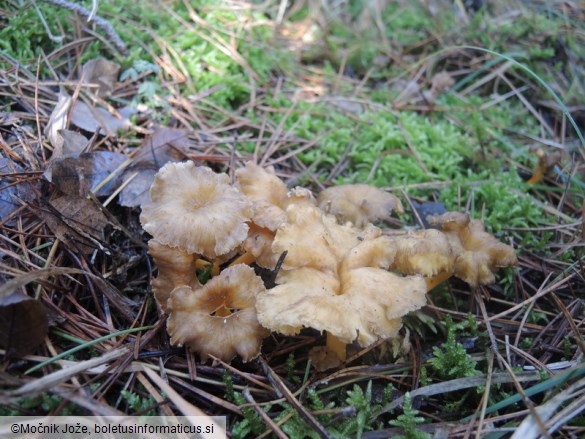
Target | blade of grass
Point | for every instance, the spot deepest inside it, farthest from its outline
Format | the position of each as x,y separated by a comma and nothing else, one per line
541,81
538,388
86,345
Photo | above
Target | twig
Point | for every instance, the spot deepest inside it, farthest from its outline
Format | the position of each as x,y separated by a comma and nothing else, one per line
99,21
302,411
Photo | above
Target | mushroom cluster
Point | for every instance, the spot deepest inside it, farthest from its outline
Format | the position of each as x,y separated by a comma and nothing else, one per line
340,273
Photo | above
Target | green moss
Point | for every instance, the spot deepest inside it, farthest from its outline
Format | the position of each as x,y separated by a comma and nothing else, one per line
24,36
408,421
407,25
380,153
139,404
211,58
450,360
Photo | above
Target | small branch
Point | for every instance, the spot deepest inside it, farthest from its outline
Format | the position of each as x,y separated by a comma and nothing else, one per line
302,411
99,21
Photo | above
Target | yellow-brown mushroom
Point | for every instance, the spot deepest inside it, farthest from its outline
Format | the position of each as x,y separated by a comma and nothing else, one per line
334,279
546,162
219,318
359,204
270,197
477,253
425,252
196,210
267,192
175,268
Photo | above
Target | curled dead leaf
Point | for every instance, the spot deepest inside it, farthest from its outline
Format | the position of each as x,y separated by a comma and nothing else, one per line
82,175
58,121
23,324
78,222
12,190
163,146
102,73
94,119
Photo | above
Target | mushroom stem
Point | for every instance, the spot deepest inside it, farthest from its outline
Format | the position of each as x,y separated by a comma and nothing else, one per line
222,311
335,345
244,258
538,175
433,281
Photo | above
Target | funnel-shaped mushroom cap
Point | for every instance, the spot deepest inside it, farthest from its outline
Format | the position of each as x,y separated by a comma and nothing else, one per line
477,253
175,268
269,195
196,210
313,239
323,284
267,192
219,319
359,204
373,250
425,252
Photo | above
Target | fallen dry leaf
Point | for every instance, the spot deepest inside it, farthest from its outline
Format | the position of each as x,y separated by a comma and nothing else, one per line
164,145
58,121
74,143
78,222
12,191
88,118
93,119
82,175
137,192
23,324
103,73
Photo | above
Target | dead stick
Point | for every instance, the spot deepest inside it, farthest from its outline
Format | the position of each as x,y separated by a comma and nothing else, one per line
99,21
303,412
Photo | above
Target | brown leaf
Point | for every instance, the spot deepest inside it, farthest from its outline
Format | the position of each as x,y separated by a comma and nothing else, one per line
93,119
103,73
74,143
82,175
23,324
78,222
164,145
12,190
137,192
